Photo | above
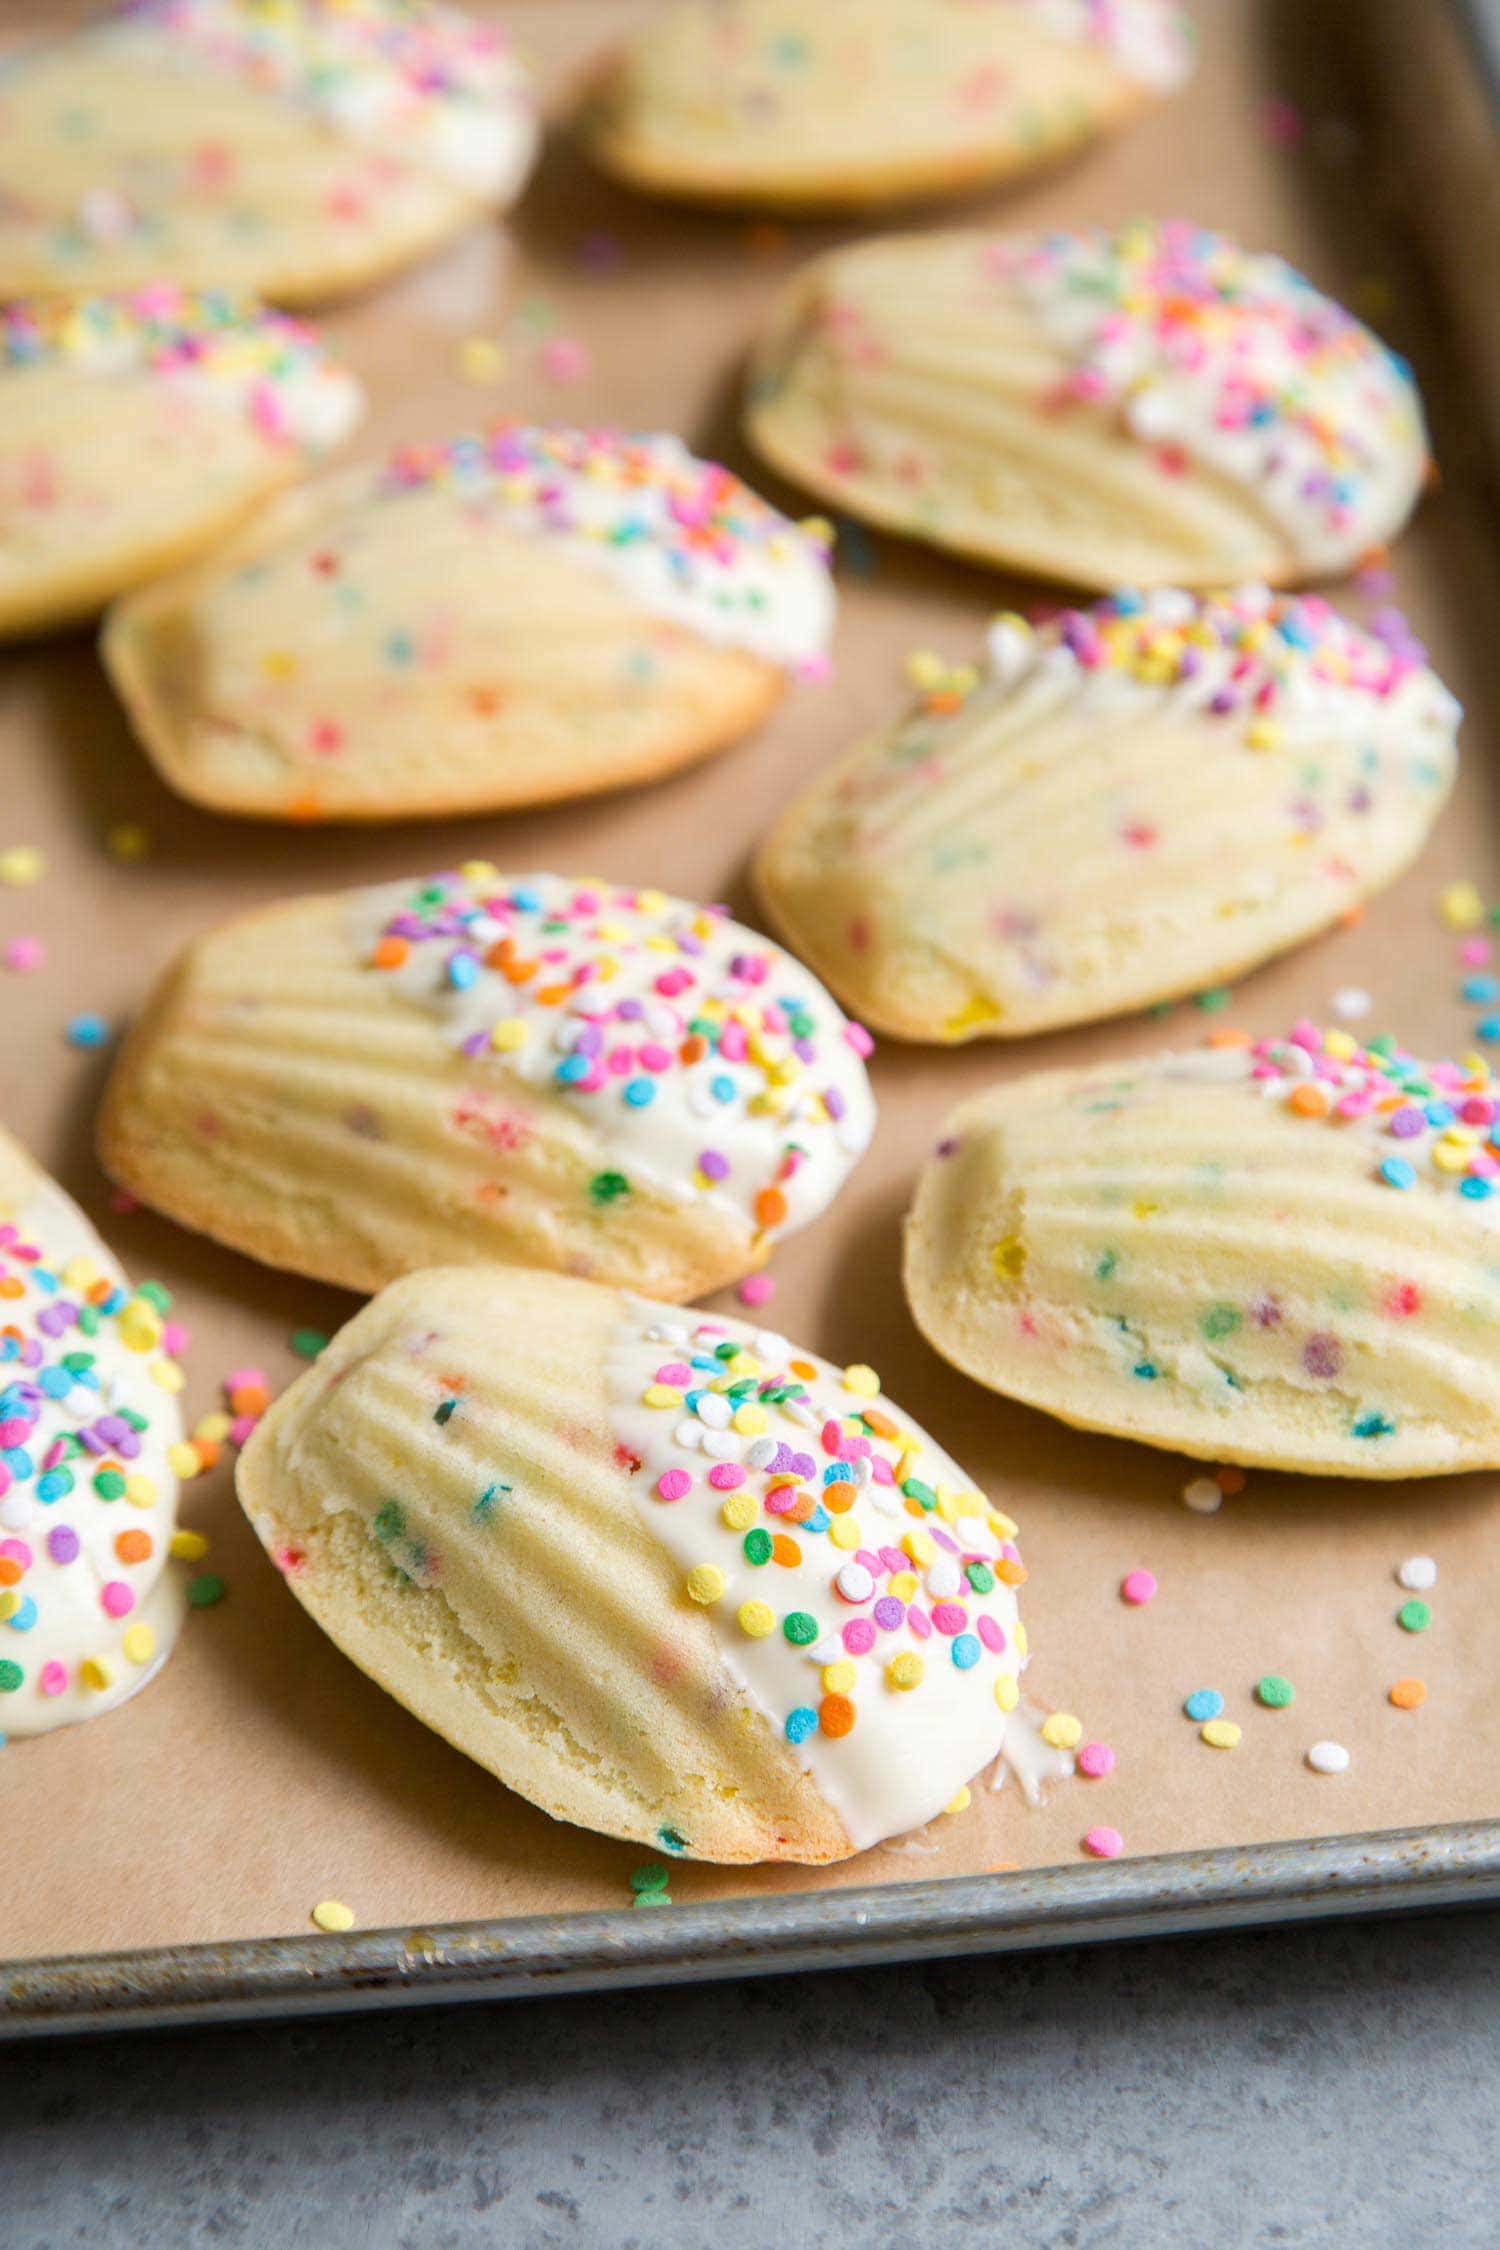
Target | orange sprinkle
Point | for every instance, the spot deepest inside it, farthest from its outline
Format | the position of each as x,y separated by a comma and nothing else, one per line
1010,1573
1351,918
308,806
770,1207
520,972
10,1570
693,1048
100,1291
1408,1694
836,1715
133,1546
880,1424
804,1368
552,995
389,953
1309,1100
785,1551
11,1287
1230,1481
207,1451
1229,1037
838,1499
249,1398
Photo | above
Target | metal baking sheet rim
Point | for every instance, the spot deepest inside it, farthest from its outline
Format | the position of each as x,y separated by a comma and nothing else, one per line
1178,1893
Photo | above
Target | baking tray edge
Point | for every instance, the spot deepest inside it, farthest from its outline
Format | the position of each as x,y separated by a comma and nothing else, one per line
1177,1893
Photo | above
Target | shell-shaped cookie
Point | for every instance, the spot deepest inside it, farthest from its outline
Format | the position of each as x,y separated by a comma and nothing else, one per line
805,107
90,1602
669,1577
513,619
300,150
1151,407
1282,1254
602,1082
137,429
1132,802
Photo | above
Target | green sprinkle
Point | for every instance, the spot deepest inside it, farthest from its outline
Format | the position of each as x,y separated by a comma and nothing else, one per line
652,1898
11,1676
757,1546
489,1501
915,1489
445,1412
1105,1270
389,1521
308,1342
1373,1426
608,1187
800,1628
1219,1320
981,1578
1275,1692
1145,1371
205,1590
1414,1616
1215,1000
154,1294
109,1484
652,1877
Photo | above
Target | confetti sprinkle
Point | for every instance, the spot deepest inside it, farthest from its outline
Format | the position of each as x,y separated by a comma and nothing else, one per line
1203,1495
1276,1693
1220,1734
1138,1587
87,1030
1104,1843
756,1289
1061,1731
1328,1757
1414,1616
128,841
1418,1574
331,1914
1460,906
21,865
307,1343
1203,1703
1351,1002
1408,1694
23,954
1095,1760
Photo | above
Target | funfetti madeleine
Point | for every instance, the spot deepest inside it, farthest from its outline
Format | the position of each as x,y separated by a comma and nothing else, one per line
669,1577
503,620
300,148
476,1066
1282,1254
91,1599
1155,406
807,106
1122,805
137,429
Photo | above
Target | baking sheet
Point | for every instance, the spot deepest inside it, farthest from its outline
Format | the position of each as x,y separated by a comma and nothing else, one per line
261,1773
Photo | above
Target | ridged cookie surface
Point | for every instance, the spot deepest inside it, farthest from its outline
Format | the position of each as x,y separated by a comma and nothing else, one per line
1281,1254
299,149
1131,802
804,106
90,1602
669,1577
1151,407
136,429
598,1081
503,620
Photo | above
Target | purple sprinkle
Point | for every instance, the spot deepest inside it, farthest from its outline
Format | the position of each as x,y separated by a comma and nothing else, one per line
888,1613
62,1543
713,1165
834,1103
476,1043
1407,1123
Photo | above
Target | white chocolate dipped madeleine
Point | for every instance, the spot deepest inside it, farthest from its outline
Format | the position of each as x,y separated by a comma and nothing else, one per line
136,429
1154,406
507,619
1128,803
799,107
668,1576
90,1601
569,1075
300,149
1281,1254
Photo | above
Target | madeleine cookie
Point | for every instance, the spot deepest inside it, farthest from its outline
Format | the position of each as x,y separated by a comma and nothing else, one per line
1282,1254
506,620
298,148
89,1427
1132,802
783,104
136,429
598,1081
669,1577
1150,407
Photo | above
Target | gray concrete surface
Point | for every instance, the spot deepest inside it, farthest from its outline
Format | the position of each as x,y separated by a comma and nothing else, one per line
1334,2085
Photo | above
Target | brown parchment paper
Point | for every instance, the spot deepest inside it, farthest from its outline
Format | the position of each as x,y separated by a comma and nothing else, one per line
261,1772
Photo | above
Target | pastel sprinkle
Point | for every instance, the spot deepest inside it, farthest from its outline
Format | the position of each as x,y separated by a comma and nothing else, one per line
1418,1574
1138,1587
1103,1843
1220,1734
1275,1692
332,1915
1414,1616
1328,1757
1095,1760
1203,1703
1408,1694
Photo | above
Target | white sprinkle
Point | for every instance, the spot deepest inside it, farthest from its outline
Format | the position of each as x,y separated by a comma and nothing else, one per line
1418,1572
721,1445
760,1453
885,1500
943,1578
667,1332
715,1410
1351,1001
828,1650
772,1347
1202,1496
974,1537
16,1509
805,1416
856,1585
689,1433
1328,1757
862,1469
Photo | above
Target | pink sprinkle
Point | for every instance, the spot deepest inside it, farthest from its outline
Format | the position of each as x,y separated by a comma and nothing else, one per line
756,1289
53,1678
174,1339
122,1202
859,1636
116,1598
674,1484
1138,1587
726,1476
674,1375
920,1623
950,1617
1475,952
990,1633
565,360
246,1379
1104,1843
782,1500
856,1036
832,1434
1096,1759
25,953
241,1428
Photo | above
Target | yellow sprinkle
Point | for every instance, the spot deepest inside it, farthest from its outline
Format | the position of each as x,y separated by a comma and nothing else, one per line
481,360
757,1619
1007,1691
971,1015
1450,1159
906,1670
166,1375
839,1679
948,1505
749,1420
1002,1525
961,1802
215,1428
1142,1208
511,1032
1020,1639
739,1511
1009,1258
188,1546
706,1583
22,865
80,1274
904,1586
925,668
1263,734
140,1491
332,1914
1460,906
10,1602
96,1674
139,1326
128,841
1220,1734
845,1533
920,1548
139,1644
862,1380
652,902
183,1461
661,1394
1062,1730
278,664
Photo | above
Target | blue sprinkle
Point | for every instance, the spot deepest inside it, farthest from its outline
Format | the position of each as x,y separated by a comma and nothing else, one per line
722,1089
966,1650
19,1462
1476,1189
528,900
1397,1173
1204,1703
640,1092
819,1520
54,1382
1438,1113
55,1485
571,1068
1373,1425
1488,1029
87,1030
25,1617
1480,991
463,971
801,1723
839,1472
